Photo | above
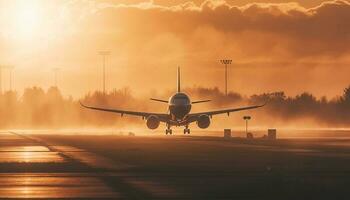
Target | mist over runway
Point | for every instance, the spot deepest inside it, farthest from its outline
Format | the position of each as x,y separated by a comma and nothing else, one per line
74,165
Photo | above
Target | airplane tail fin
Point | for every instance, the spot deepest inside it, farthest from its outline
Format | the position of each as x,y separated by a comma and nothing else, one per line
178,80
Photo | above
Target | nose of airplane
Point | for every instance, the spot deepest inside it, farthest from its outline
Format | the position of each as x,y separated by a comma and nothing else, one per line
180,99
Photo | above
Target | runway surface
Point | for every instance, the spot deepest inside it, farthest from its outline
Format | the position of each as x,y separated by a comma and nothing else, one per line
32,169
49,166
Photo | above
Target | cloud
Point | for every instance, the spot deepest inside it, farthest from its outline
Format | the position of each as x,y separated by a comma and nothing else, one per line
301,46
287,29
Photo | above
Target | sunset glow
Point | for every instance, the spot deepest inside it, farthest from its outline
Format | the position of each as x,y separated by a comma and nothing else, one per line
28,18
174,99
274,46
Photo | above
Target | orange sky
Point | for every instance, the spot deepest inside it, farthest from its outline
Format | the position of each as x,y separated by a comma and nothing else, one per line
305,3
293,47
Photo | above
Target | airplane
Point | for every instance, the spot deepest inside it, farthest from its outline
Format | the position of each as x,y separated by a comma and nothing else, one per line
179,107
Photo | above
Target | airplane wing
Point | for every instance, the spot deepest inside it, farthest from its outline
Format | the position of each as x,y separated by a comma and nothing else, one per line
202,101
160,100
228,111
162,117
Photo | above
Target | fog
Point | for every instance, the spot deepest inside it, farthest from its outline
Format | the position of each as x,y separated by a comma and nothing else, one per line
38,108
274,47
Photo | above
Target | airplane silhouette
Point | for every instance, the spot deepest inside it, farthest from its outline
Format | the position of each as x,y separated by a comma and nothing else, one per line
179,112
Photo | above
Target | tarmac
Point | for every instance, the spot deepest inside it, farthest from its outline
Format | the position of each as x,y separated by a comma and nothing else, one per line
51,166
32,169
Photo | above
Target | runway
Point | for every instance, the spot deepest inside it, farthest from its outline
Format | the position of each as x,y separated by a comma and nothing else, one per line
32,169
49,166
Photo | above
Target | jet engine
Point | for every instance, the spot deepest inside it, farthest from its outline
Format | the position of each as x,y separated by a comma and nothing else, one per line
203,121
152,122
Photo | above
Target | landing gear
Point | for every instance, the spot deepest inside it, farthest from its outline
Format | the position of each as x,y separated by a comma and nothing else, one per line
168,131
187,130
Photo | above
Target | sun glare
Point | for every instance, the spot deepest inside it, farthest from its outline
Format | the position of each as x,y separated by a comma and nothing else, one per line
27,18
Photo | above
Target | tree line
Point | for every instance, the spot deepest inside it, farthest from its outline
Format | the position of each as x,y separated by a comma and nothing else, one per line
37,108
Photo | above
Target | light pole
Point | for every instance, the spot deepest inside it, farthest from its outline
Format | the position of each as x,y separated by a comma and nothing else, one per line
104,54
246,118
10,67
55,71
226,62
1,67
11,79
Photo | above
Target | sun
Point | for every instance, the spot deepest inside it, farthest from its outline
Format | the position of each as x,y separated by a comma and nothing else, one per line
27,17
28,20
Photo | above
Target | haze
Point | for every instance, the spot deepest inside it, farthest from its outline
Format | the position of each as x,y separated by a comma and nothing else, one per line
275,46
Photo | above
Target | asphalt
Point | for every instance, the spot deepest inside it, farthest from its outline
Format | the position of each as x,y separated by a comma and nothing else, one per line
32,169
52,166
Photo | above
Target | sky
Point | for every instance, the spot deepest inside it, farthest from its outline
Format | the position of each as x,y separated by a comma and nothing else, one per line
304,3
274,45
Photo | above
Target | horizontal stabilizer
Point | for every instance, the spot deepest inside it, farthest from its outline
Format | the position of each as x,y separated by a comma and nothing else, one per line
203,101
164,101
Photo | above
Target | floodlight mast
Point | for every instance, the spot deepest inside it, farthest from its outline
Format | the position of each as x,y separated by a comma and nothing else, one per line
56,70
226,62
1,67
104,54
11,76
10,68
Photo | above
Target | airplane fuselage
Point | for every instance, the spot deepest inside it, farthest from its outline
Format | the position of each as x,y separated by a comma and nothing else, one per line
179,106
179,112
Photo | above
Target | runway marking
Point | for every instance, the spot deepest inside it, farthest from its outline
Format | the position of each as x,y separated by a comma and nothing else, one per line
104,184
115,175
30,157
24,149
37,185
122,182
23,153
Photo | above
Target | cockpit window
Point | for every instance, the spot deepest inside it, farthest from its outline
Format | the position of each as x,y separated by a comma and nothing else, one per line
180,99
